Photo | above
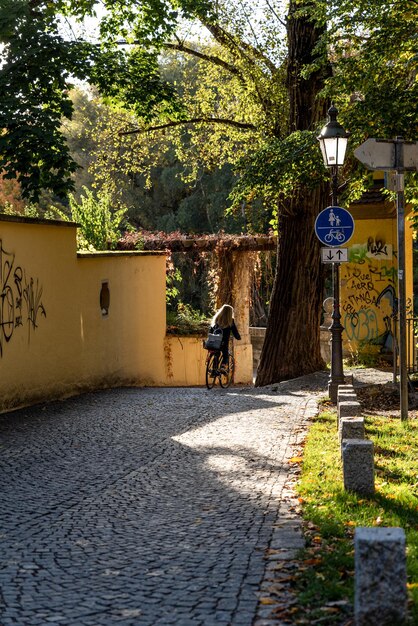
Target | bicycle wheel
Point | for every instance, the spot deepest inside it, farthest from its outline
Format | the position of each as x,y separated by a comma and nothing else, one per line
227,372
211,370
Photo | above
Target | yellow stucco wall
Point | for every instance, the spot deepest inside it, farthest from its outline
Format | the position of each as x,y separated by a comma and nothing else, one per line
55,339
369,281
185,361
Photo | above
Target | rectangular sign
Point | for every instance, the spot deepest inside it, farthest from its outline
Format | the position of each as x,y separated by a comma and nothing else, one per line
334,255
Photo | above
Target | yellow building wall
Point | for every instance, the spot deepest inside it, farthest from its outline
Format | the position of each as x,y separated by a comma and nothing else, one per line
54,339
369,281
57,339
185,361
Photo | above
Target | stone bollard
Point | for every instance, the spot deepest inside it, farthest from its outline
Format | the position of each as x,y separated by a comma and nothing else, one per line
344,388
380,576
349,408
349,379
358,466
345,396
352,428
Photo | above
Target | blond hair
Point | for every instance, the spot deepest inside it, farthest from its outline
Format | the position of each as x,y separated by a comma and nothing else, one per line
224,317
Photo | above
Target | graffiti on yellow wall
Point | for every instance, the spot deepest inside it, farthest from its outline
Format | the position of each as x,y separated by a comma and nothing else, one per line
20,298
368,295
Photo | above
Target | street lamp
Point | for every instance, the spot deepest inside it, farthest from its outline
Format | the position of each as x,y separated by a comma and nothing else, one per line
333,141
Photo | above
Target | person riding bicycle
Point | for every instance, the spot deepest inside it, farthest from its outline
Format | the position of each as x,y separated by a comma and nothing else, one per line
224,319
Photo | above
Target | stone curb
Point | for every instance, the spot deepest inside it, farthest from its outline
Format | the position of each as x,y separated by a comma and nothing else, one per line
276,596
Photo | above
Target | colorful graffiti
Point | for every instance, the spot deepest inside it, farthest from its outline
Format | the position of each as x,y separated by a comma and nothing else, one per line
374,249
20,298
369,301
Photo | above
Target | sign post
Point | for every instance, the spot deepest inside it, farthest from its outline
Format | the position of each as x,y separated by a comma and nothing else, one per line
398,155
334,226
400,210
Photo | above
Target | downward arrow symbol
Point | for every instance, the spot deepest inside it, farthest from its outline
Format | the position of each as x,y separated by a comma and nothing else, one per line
330,255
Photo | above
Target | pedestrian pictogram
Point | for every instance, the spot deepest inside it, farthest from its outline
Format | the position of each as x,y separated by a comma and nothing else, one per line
334,226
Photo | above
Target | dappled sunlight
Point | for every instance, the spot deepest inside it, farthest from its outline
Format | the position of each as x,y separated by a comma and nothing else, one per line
243,450
244,475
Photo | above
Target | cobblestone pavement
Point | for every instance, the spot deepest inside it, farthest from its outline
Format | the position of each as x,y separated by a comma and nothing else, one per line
147,506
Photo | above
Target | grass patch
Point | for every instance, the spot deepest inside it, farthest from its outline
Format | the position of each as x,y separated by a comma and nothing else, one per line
325,585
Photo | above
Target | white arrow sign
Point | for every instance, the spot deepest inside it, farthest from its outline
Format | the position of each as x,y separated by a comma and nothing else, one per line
379,154
334,255
376,155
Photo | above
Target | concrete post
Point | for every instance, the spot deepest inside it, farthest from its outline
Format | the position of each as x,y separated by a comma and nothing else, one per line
348,408
352,428
358,466
380,576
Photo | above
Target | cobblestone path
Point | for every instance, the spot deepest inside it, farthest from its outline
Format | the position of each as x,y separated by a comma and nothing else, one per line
143,506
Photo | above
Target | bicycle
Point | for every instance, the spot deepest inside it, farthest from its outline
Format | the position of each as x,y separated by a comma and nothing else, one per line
217,369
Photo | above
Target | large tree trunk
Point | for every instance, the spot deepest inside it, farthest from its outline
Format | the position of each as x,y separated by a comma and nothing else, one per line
292,343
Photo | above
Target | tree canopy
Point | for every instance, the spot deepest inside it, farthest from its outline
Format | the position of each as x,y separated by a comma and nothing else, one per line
234,109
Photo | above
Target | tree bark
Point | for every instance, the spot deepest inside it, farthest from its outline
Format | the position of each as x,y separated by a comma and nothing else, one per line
292,343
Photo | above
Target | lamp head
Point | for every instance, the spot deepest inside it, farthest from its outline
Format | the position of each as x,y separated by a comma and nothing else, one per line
333,140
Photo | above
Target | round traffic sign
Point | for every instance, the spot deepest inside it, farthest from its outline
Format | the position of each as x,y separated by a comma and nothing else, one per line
334,226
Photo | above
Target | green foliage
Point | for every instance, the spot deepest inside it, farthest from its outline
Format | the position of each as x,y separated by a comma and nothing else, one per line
29,210
99,222
132,79
238,77
173,278
373,50
34,78
279,167
186,321
149,178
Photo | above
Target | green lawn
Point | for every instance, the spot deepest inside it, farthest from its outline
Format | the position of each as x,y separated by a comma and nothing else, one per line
326,580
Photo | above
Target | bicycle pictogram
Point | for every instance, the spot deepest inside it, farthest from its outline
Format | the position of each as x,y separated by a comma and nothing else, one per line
334,234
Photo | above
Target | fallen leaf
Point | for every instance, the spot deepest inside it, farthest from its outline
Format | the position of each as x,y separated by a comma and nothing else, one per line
312,561
267,601
296,459
412,585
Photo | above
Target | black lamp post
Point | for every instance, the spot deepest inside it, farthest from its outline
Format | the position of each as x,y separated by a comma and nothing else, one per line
333,141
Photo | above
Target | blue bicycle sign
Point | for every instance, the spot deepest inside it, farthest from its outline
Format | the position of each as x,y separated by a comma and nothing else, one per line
334,226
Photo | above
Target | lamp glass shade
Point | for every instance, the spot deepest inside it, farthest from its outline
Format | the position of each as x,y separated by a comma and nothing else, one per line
333,150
